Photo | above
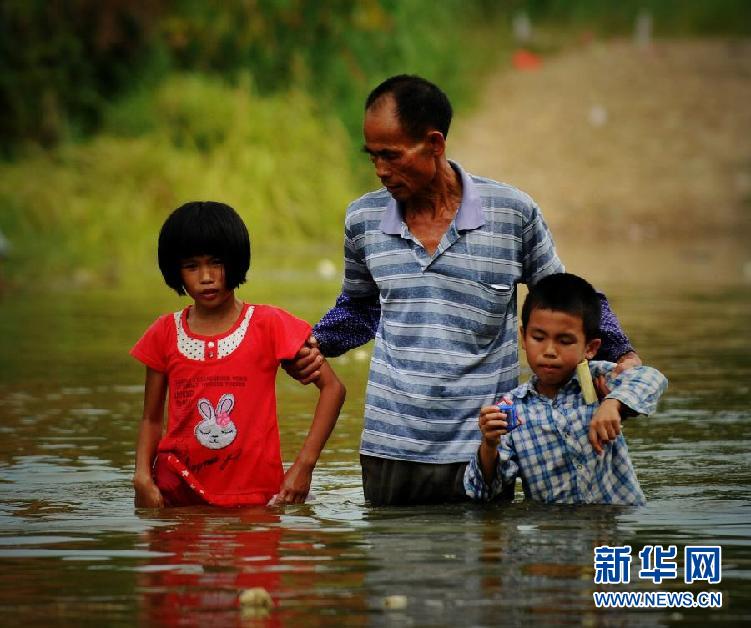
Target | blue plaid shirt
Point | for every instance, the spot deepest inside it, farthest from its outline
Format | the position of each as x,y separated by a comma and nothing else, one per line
551,452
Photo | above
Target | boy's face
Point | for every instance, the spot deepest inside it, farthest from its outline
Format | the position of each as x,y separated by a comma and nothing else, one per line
555,343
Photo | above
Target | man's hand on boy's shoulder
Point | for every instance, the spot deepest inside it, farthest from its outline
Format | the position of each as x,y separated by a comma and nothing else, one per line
626,361
305,366
606,424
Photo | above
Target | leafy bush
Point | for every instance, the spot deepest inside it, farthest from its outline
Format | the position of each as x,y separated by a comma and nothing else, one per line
63,63
93,209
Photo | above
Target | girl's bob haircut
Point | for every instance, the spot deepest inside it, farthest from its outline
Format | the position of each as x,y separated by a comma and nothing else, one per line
204,228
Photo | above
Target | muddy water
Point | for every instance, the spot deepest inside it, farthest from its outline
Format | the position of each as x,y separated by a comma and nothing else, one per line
74,551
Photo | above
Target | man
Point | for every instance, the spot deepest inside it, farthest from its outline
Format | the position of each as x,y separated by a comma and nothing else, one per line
432,260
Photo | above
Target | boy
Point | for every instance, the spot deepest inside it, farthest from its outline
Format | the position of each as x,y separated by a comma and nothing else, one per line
565,450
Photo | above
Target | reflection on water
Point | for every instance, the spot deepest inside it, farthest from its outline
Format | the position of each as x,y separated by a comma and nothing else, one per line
72,549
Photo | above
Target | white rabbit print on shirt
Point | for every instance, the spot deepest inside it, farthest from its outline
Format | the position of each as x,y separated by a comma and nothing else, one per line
216,430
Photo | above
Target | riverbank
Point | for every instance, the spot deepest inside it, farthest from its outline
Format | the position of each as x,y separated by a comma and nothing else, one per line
617,140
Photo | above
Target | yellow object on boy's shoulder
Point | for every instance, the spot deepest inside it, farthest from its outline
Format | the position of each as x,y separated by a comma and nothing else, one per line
585,381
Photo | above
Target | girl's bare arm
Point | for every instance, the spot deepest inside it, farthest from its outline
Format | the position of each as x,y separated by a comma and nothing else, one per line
149,433
296,484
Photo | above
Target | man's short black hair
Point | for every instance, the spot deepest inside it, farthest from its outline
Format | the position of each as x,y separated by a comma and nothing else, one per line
564,292
420,105
204,228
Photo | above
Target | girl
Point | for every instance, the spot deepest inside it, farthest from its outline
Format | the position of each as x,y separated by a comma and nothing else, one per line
217,360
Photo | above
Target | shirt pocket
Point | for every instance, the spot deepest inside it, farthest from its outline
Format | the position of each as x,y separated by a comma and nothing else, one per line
496,301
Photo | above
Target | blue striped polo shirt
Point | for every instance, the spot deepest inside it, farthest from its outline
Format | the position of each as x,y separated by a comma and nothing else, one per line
446,343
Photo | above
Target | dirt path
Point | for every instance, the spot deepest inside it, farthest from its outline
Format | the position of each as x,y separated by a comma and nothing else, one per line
637,142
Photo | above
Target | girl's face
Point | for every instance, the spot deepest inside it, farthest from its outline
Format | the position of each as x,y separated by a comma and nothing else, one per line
203,279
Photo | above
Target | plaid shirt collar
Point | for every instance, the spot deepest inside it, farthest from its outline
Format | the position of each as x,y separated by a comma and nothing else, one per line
571,387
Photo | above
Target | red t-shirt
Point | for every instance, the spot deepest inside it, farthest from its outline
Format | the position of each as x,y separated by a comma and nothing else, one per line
222,434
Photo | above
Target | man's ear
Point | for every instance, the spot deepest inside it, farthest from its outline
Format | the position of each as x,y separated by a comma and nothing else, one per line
437,142
524,342
592,348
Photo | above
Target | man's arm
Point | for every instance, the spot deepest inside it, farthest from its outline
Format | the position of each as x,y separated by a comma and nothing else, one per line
638,388
354,319
350,323
615,345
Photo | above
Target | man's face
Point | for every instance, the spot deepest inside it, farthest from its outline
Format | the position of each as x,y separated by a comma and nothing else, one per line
405,166
555,343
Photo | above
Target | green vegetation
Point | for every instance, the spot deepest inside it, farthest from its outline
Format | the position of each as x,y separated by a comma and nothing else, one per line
96,207
146,105
63,63
112,113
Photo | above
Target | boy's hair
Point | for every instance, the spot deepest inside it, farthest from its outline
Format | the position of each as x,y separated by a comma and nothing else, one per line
564,292
204,228
420,105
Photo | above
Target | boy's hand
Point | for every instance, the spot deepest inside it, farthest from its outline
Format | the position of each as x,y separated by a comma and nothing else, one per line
605,425
148,494
305,367
296,484
492,425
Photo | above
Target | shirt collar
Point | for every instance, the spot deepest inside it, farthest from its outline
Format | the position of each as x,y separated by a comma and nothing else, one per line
572,386
469,215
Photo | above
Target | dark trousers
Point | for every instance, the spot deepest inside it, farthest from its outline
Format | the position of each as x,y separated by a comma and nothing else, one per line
393,482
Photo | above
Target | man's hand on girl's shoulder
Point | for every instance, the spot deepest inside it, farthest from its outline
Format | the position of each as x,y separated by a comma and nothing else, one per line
305,366
626,361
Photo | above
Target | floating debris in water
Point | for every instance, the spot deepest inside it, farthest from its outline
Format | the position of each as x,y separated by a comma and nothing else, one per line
255,603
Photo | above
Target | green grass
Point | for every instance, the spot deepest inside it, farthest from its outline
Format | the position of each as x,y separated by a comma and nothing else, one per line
91,211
